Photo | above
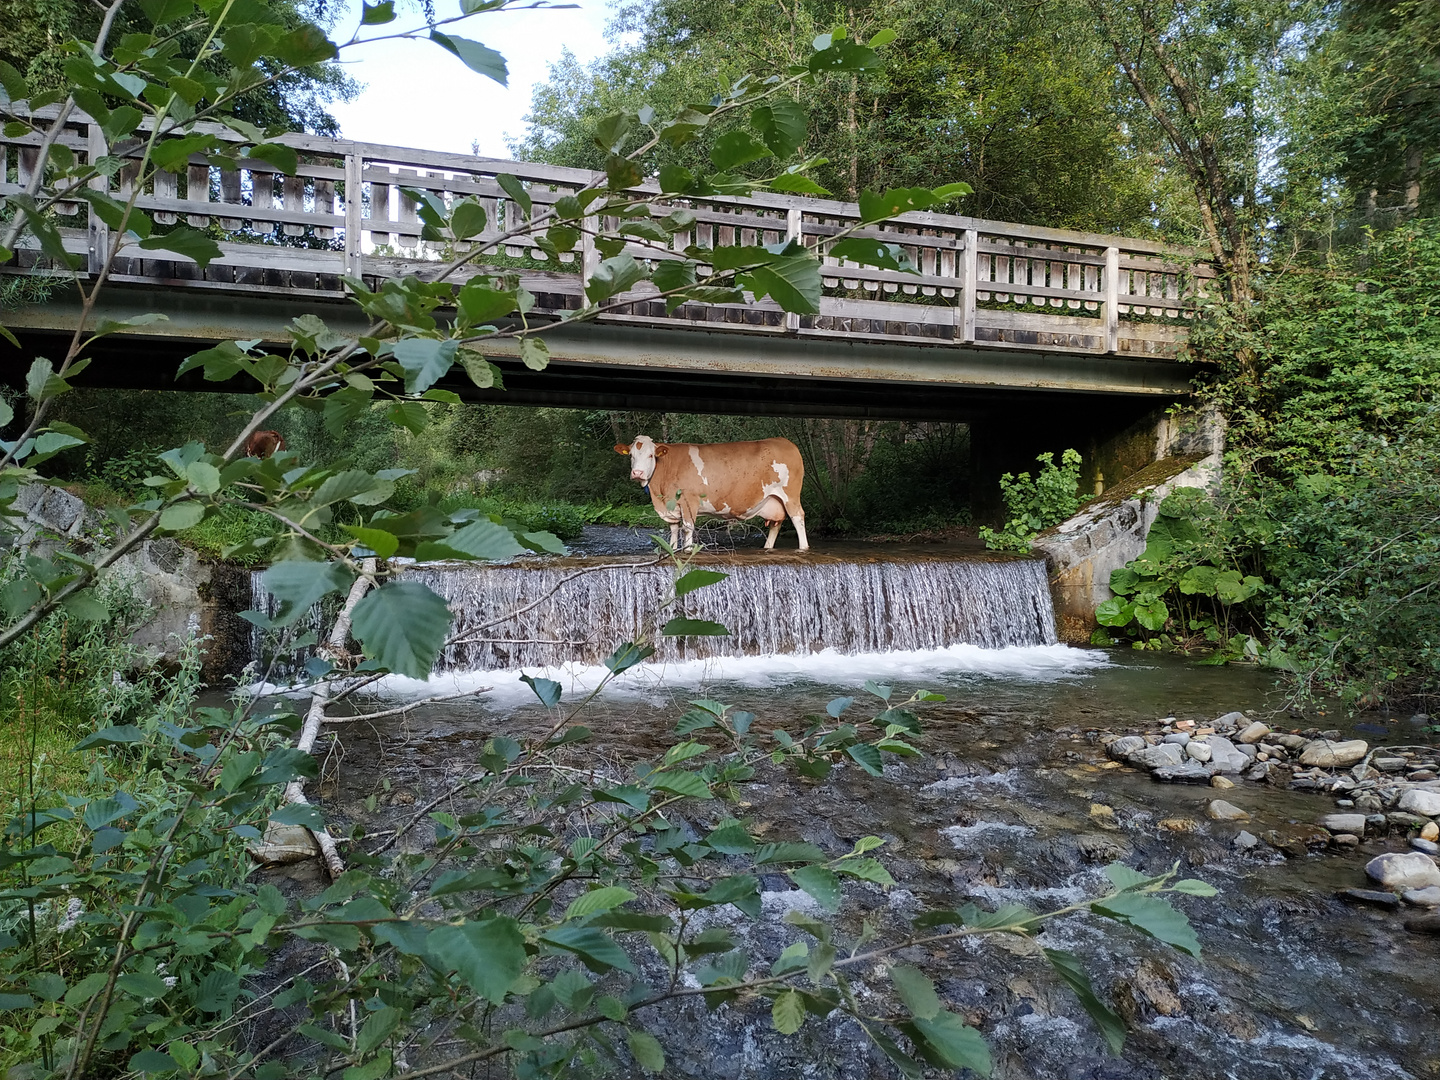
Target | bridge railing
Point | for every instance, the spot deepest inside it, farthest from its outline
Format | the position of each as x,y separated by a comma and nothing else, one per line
345,211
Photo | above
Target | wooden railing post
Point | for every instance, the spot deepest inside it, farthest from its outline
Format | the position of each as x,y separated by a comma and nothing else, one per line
794,232
1112,299
969,272
354,198
98,241
589,257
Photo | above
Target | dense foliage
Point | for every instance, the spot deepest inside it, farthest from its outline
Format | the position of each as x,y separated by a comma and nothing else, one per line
1035,503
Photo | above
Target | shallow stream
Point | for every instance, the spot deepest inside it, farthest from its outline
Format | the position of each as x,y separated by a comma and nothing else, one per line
1014,801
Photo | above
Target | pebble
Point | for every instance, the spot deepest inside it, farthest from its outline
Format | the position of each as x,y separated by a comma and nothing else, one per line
1389,764
1370,896
1221,810
1429,832
1178,738
1429,847
1230,721
1199,751
1334,755
1258,771
1345,804
1221,782
1405,820
1421,775
1253,733
1410,870
1344,823
1345,840
1427,897
1245,841
1421,802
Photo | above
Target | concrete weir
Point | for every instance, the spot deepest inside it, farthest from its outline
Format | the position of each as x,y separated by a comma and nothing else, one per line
1110,531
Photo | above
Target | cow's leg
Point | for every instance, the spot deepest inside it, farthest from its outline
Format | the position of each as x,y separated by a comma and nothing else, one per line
675,535
774,532
798,519
689,534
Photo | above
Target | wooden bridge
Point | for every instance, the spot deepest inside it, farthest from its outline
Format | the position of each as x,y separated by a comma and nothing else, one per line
997,310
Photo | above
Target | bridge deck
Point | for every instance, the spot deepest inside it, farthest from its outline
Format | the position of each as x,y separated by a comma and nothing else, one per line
1100,303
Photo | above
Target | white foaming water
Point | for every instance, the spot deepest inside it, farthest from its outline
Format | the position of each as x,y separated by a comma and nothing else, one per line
930,667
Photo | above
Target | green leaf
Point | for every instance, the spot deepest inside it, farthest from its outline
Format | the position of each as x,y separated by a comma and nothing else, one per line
796,183
13,83
866,870
1115,612
187,242
481,304
425,361
305,45
473,55
737,147
731,839
793,282
118,735
788,1012
1194,887
377,14
482,539
488,954
872,252
152,1061
384,544
403,625
299,814
142,984
1152,616
281,156
688,784
535,353
598,900
867,757
467,219
675,179
1067,966
646,1051
947,1041
595,947
843,56
179,516
820,882
298,586
1152,916
697,579
612,277
547,690
410,415
515,190
693,628
9,1002
782,123
916,991
627,656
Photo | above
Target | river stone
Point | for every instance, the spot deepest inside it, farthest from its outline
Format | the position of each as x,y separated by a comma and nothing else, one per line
1156,757
1421,802
1430,832
1370,896
1333,755
1427,897
1429,847
1403,819
1225,757
1230,721
1123,747
1345,840
1344,823
1199,751
1410,870
1245,841
1253,733
1220,783
1178,738
1192,772
1221,810
1424,924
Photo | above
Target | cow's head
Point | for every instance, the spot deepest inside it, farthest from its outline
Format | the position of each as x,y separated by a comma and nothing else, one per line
643,452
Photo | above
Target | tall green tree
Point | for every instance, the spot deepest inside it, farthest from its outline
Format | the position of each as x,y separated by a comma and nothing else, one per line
1001,94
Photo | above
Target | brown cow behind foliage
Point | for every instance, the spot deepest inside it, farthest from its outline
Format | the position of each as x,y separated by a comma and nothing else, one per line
733,480
262,444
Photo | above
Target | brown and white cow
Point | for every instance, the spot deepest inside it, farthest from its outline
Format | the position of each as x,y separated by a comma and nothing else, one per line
735,480
262,444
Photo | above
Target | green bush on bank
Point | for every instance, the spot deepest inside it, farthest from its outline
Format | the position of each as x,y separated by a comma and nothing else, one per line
1036,503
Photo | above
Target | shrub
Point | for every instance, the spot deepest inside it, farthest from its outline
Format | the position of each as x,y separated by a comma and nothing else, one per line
1036,503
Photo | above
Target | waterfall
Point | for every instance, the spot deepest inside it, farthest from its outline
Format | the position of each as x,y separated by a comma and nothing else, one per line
580,609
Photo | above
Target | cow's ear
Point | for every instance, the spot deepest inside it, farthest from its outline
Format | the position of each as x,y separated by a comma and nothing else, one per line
621,448
661,450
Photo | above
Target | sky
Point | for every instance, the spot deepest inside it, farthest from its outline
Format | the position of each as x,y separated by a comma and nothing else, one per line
417,95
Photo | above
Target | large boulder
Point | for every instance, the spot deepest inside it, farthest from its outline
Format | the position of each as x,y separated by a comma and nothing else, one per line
1325,754
1157,757
1404,871
1123,747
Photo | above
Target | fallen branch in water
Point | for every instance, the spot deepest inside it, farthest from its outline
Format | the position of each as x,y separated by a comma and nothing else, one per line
399,709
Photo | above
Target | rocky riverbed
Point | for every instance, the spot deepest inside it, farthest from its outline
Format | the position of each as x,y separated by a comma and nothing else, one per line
1020,799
